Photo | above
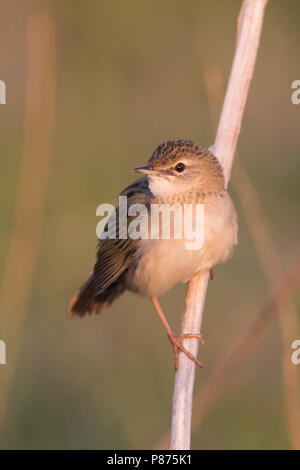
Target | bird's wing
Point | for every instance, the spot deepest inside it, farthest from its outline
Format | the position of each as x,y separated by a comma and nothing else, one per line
114,256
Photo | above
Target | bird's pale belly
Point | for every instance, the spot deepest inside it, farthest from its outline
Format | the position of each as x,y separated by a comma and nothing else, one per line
163,263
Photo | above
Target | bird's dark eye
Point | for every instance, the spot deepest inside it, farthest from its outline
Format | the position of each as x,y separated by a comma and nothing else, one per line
180,167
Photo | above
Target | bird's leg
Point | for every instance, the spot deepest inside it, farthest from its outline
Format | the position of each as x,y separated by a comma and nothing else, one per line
211,273
176,341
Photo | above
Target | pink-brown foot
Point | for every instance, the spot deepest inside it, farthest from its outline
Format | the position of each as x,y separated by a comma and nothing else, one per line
211,274
176,342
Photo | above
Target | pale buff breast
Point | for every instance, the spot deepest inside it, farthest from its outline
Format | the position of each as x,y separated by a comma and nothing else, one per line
160,264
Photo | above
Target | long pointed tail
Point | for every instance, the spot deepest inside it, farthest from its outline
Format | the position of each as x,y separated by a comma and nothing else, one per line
85,302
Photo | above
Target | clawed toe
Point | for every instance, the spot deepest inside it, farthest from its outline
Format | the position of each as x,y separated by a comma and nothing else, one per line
191,336
176,342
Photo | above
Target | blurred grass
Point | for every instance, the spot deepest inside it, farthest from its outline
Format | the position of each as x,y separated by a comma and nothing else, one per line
129,76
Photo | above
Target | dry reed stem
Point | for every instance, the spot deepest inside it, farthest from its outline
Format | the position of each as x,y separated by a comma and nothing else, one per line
219,380
249,29
24,241
269,260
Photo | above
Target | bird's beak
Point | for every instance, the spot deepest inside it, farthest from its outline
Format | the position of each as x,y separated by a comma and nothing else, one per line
145,170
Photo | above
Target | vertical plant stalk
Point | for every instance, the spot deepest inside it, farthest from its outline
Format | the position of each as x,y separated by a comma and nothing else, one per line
241,349
249,30
24,243
270,264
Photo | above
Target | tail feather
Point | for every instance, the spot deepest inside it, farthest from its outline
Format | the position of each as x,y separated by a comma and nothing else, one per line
84,301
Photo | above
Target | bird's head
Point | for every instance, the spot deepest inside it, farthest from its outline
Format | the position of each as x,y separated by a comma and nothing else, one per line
182,167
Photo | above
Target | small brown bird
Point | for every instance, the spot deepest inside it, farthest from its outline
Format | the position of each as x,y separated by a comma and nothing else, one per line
179,172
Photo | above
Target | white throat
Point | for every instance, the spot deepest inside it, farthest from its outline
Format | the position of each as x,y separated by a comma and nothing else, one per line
161,187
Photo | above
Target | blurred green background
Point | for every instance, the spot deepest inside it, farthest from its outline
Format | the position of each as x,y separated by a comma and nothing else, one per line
124,77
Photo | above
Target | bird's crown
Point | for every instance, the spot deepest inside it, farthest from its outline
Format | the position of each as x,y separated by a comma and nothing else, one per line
171,151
